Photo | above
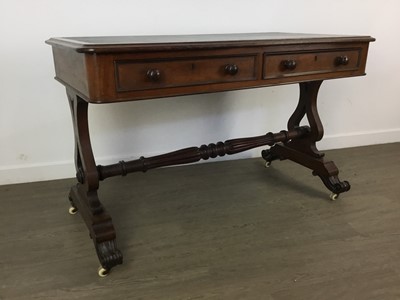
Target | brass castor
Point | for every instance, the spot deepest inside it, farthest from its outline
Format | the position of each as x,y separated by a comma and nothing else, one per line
333,196
103,272
72,210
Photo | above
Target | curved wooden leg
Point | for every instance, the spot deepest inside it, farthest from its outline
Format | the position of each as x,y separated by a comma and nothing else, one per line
304,150
84,196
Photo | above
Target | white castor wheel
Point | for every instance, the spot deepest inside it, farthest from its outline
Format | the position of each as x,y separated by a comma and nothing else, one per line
72,210
103,272
333,196
267,164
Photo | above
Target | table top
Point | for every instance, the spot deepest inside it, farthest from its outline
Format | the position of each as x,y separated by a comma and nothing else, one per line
126,68
104,44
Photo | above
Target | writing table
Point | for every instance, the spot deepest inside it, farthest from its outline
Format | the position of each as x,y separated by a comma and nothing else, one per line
130,68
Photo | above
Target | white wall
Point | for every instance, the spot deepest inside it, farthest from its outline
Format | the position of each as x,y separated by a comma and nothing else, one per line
35,127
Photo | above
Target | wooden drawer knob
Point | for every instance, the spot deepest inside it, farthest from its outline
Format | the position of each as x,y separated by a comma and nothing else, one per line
341,60
289,64
153,74
231,69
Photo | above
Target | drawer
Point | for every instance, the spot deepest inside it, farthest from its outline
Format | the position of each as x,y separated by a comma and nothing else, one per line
132,75
297,64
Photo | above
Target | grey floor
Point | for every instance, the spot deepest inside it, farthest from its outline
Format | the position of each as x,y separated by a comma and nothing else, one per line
225,230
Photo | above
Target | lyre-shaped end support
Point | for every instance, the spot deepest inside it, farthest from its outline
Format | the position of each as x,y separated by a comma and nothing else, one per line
83,196
303,150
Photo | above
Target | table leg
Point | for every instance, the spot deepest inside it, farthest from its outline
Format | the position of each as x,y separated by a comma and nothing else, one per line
83,196
304,150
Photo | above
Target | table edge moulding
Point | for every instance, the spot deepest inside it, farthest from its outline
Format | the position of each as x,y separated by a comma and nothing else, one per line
131,68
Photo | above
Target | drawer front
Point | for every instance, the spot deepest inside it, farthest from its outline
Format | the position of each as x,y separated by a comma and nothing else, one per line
297,64
132,75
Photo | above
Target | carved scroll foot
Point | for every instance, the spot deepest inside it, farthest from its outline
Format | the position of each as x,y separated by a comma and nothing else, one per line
100,226
334,184
269,157
108,254
326,170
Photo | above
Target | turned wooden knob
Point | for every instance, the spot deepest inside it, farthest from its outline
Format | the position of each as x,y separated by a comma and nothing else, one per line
153,74
341,60
289,64
231,69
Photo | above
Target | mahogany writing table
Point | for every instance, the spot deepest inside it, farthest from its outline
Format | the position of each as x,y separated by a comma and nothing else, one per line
130,68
